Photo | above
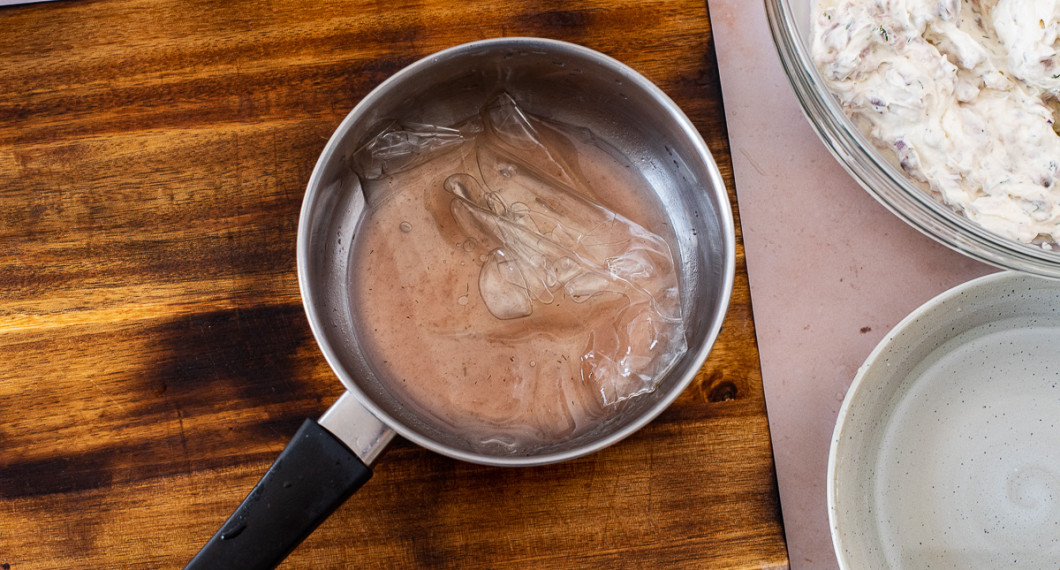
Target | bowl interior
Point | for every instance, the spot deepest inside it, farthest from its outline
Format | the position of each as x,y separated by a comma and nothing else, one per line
554,80
944,454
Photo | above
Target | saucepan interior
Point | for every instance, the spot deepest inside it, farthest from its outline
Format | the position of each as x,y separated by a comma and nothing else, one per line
558,81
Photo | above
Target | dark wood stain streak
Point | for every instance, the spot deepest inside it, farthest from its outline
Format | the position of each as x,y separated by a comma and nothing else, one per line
102,468
251,349
246,354
55,475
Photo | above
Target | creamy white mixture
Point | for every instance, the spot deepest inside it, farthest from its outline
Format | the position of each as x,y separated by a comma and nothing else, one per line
963,92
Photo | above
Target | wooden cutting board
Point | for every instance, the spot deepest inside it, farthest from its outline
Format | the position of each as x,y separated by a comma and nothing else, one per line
154,355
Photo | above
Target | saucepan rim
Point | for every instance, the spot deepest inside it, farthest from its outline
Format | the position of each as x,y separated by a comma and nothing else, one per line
317,184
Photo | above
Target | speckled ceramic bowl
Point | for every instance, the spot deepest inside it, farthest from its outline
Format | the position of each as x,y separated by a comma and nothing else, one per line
946,453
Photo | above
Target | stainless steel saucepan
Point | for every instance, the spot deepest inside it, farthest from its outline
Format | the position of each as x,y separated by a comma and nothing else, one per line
329,459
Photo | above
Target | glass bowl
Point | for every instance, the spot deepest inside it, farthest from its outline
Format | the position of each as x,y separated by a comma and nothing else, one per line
789,21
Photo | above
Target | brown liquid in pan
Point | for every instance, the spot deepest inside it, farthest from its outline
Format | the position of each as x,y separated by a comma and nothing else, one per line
512,279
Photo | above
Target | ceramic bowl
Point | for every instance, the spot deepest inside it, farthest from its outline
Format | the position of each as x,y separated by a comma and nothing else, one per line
946,453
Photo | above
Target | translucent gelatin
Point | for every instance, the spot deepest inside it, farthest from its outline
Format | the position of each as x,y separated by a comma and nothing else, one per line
498,284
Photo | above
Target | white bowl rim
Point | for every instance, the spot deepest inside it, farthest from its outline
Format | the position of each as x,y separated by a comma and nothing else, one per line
859,384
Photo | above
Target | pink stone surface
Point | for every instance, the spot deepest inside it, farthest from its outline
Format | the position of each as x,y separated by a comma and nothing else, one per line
831,270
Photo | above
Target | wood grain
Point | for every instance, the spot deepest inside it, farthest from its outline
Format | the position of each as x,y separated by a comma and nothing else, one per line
154,356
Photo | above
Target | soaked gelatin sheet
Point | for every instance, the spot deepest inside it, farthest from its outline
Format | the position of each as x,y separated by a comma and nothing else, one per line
498,287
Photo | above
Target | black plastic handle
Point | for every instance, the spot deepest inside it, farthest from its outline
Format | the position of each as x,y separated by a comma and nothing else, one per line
314,474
